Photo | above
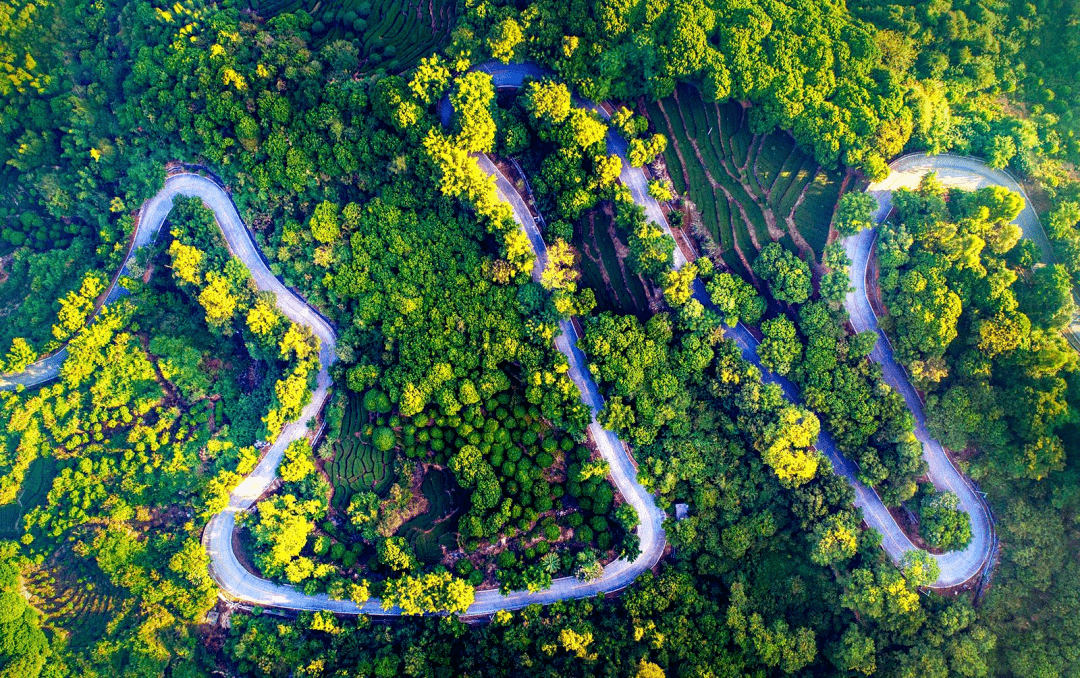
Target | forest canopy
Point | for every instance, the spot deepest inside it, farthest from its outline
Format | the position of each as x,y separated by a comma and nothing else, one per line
455,234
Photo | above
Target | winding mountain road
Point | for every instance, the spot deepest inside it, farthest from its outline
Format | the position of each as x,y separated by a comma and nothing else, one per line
239,583
956,567
226,569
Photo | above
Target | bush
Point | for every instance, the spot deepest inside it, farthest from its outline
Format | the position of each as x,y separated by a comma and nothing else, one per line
506,560
603,540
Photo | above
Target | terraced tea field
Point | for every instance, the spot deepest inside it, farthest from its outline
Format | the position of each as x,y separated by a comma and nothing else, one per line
36,484
77,597
390,34
616,287
357,465
750,189
429,532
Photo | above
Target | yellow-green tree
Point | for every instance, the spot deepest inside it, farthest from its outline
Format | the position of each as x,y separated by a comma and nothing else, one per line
217,300
186,262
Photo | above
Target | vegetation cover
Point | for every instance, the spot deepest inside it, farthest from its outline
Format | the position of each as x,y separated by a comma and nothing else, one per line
455,455
748,189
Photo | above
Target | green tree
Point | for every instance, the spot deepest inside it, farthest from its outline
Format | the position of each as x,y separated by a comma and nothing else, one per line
780,349
504,39
854,212
395,553
325,224
787,275
942,524
736,299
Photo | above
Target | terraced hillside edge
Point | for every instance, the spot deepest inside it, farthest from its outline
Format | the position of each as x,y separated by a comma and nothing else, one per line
750,189
390,34
356,464
617,288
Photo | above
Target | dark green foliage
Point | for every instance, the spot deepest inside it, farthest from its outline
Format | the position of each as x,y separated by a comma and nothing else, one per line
961,325
434,529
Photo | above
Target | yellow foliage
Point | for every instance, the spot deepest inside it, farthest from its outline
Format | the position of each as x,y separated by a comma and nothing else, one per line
217,300
185,262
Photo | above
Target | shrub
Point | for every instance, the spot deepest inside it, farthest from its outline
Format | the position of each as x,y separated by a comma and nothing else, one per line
603,540
506,560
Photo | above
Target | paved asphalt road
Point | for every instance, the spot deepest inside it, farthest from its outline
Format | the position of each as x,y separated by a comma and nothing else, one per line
956,567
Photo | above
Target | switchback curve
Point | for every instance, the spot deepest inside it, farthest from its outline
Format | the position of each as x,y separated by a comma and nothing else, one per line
226,569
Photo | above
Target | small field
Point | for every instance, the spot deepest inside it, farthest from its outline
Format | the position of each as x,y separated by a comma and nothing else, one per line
749,189
356,464
36,484
604,271
77,597
390,34
428,532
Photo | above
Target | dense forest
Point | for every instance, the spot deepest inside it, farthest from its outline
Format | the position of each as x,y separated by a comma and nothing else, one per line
454,456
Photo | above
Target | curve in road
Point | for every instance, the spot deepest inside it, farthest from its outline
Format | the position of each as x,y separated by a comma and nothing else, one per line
228,572
961,171
233,578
